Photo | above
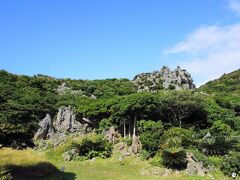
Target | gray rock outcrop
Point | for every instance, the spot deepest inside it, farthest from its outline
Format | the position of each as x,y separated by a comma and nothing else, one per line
63,89
46,129
194,167
65,124
66,120
136,145
178,79
111,135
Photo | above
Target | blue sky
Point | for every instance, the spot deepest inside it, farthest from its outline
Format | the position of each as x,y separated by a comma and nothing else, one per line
96,39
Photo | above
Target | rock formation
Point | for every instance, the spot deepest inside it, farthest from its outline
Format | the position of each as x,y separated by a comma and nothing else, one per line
64,123
66,120
178,79
46,129
194,167
111,135
136,145
63,89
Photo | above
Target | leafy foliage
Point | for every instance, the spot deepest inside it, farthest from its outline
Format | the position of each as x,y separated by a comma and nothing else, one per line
93,146
185,135
218,145
148,131
231,164
174,157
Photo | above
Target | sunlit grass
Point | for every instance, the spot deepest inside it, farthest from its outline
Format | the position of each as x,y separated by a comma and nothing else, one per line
25,163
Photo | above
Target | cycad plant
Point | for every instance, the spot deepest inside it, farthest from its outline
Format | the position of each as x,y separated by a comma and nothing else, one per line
173,154
174,157
219,145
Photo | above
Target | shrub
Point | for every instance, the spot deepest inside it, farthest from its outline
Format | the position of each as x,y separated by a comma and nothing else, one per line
219,145
150,135
231,164
93,147
144,155
219,128
128,141
185,135
157,160
201,158
174,157
104,125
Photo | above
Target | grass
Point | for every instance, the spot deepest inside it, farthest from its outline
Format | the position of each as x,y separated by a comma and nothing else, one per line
110,169
25,163
29,164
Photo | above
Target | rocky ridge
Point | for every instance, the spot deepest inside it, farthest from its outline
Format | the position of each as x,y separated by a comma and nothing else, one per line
179,79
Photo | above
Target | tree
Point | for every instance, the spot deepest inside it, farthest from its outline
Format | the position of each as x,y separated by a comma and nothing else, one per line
183,108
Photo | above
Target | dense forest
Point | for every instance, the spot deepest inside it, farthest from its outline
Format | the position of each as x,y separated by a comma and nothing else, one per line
205,121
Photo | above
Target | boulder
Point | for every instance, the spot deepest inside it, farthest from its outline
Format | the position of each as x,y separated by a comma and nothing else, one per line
46,129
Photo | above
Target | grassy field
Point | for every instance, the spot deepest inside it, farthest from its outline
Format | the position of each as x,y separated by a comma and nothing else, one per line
29,164
110,169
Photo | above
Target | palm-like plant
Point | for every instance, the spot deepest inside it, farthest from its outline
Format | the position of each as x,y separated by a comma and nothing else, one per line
219,145
174,157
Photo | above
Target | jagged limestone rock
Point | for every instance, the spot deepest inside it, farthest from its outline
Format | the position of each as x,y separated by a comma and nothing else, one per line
64,126
46,129
66,120
178,79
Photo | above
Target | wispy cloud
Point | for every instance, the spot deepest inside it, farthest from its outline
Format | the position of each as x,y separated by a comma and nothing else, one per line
234,6
210,51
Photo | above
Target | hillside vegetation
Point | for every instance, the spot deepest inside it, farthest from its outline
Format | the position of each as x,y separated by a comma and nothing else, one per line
191,131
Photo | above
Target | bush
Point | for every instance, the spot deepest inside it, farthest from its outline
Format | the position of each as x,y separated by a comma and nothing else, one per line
185,135
220,129
219,145
231,164
157,160
144,155
104,125
89,148
174,157
150,135
86,147
201,158
128,141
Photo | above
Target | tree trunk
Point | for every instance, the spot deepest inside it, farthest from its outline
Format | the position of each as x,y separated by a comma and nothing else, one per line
124,128
129,130
134,126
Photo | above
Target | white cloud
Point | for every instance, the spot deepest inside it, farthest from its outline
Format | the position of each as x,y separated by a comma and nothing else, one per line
234,6
210,51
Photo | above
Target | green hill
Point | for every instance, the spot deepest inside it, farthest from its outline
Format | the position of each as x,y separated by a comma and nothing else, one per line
226,90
